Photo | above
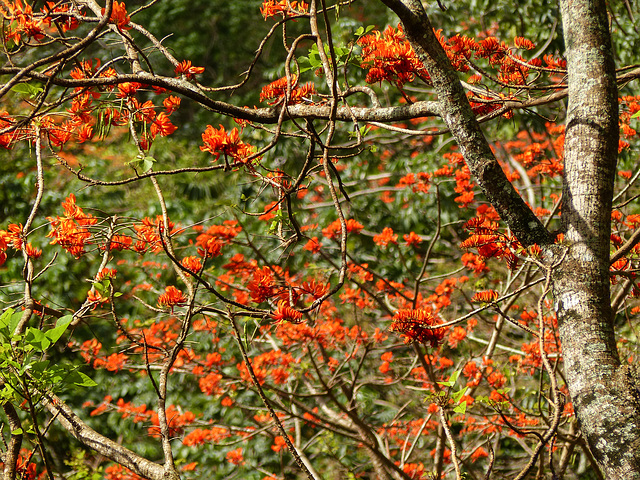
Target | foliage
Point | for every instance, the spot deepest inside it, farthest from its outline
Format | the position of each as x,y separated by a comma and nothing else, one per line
317,286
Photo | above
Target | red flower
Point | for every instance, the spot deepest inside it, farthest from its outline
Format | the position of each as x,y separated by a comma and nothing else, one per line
486,296
185,68
31,251
385,238
119,16
162,125
415,325
285,313
313,245
171,297
235,456
412,239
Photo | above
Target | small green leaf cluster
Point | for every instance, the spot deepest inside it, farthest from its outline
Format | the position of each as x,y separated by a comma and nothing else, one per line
24,363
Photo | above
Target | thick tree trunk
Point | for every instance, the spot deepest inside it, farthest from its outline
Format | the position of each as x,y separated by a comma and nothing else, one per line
603,391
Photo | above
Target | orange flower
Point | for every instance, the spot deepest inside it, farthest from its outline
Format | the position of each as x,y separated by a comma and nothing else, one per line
388,56
278,89
192,263
162,125
235,456
219,142
285,313
412,239
524,43
262,285
96,298
106,272
313,245
286,8
71,232
279,444
31,251
486,296
185,68
119,16
13,235
415,325
171,103
171,297
334,229
120,242
128,89
385,238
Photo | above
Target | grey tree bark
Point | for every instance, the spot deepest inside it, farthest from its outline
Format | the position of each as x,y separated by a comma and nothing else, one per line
605,393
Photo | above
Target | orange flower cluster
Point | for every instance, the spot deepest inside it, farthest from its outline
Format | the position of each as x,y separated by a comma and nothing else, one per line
219,142
419,184
412,239
59,14
118,472
277,90
149,234
389,56
385,238
485,296
21,21
274,364
7,139
185,68
210,242
119,16
285,313
415,326
334,228
171,297
286,8
490,242
71,232
235,456
263,285
200,436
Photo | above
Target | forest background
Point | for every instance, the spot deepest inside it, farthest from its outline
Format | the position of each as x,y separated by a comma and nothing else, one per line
191,292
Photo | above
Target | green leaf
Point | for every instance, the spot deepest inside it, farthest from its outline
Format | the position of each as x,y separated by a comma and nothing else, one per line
9,320
17,431
37,339
460,409
459,394
5,318
39,367
636,115
147,164
27,90
452,380
80,379
56,332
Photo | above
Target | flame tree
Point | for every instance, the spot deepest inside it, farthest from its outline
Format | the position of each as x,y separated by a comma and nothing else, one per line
416,258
